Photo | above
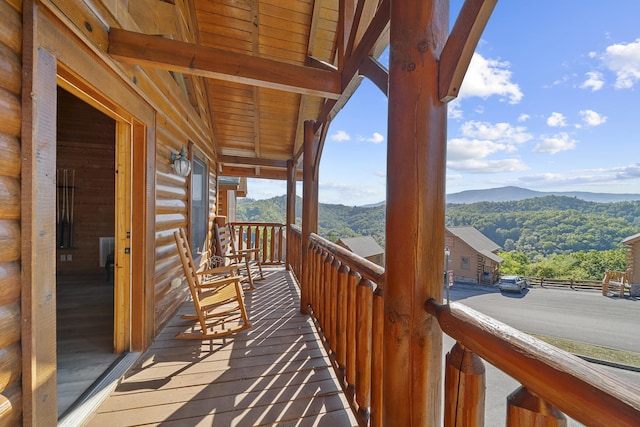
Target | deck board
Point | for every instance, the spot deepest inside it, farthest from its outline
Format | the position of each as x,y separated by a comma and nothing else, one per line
275,372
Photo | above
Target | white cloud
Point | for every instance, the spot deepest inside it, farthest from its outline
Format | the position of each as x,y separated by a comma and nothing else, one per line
340,136
488,77
502,132
594,81
461,149
376,138
624,60
487,166
556,120
591,118
555,144
336,192
453,109
523,117
606,176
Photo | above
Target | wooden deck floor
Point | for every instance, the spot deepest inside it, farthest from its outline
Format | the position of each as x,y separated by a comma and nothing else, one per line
276,372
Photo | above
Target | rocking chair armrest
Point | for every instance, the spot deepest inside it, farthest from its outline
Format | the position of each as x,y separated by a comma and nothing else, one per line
227,269
212,284
249,251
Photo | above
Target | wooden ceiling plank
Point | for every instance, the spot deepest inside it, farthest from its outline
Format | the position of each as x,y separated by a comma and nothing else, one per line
188,58
255,40
460,45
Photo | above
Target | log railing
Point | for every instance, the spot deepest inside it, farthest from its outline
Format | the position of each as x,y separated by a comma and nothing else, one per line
267,236
346,304
294,252
553,381
348,308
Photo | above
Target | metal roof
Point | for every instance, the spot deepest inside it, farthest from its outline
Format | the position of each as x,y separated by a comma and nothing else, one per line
365,246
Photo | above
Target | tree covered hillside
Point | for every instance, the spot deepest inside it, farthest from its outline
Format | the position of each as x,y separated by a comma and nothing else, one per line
536,227
550,225
335,221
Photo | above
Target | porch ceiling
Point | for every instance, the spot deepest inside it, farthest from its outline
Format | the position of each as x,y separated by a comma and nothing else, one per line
269,65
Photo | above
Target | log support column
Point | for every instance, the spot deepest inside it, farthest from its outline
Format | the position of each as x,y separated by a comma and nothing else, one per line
416,158
309,209
291,207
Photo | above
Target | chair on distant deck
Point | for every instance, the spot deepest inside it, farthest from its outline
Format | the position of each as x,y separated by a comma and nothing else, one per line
217,296
227,253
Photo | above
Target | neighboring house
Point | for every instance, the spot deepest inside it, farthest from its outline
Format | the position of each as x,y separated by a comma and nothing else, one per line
229,189
472,255
633,257
365,246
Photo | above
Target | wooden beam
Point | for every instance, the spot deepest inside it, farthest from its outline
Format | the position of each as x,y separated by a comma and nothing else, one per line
373,40
257,172
252,161
377,73
370,41
318,147
37,226
346,12
188,58
416,154
461,44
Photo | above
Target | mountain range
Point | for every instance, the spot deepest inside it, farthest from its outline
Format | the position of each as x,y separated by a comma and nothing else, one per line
510,194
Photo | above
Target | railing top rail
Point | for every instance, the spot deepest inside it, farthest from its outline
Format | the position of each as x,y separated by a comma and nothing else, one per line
576,387
254,223
296,228
366,268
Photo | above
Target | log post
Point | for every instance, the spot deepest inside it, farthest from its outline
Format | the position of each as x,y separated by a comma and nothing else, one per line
527,409
464,388
416,155
291,209
309,209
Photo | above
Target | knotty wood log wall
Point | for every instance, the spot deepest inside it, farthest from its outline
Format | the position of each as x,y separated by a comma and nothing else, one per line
10,123
86,144
75,36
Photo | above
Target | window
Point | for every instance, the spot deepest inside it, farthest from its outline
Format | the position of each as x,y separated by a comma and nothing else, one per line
464,265
199,204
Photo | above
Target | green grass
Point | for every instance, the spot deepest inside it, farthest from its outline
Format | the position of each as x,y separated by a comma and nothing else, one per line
593,351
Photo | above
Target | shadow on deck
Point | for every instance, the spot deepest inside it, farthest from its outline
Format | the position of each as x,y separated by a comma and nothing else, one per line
276,372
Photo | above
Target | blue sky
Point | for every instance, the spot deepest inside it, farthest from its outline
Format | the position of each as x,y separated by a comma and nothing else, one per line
551,102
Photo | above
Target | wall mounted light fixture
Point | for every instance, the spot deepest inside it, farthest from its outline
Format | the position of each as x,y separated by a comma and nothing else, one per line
181,163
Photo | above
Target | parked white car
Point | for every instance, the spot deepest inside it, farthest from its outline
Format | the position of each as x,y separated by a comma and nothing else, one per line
512,283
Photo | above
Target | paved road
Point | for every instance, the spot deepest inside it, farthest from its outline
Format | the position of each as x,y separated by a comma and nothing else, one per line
585,316
578,315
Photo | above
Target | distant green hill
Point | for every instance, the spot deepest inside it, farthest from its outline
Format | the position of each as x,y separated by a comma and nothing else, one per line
538,226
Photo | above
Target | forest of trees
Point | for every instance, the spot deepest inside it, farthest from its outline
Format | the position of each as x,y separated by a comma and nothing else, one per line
551,236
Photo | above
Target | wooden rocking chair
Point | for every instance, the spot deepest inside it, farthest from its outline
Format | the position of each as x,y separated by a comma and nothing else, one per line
228,254
217,296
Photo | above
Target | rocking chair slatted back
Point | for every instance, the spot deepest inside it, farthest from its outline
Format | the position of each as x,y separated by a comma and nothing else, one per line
228,254
217,295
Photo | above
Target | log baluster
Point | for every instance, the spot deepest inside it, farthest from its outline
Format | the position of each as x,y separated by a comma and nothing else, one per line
352,283
266,256
364,324
341,320
249,238
525,409
317,277
464,388
377,361
333,302
280,232
326,300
